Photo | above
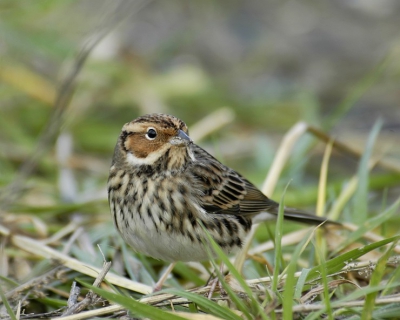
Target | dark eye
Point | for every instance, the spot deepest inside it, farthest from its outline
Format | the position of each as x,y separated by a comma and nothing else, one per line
151,133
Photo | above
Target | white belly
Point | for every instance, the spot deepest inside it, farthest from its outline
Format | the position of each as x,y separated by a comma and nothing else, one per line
164,246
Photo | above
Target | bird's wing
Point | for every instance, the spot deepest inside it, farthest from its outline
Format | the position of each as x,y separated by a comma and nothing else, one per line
226,191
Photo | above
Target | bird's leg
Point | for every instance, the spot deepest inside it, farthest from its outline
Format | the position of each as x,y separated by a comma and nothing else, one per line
160,282
213,282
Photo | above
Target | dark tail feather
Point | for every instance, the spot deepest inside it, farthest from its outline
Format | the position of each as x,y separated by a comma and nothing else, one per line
304,217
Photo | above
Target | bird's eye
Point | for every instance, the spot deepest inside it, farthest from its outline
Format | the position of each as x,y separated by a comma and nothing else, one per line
151,133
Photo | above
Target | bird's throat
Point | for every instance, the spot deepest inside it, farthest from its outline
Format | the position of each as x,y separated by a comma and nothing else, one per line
177,158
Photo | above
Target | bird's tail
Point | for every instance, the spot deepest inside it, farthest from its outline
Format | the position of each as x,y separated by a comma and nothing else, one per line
305,217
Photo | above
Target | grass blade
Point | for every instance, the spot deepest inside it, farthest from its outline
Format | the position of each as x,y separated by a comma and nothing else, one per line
375,280
134,306
206,304
360,205
278,241
338,263
324,277
7,305
221,255
291,280
370,224
300,283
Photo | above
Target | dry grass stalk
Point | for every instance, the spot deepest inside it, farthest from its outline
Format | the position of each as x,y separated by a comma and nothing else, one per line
91,298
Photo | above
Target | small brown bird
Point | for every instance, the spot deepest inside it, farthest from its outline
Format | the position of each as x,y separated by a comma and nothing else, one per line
161,185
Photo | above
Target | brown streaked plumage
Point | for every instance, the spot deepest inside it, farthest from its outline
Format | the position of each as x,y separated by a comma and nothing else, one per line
161,185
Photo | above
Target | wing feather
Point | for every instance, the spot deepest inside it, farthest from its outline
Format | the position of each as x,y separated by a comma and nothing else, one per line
224,190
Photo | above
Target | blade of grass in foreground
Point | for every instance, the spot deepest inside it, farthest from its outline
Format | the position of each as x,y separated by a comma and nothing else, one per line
324,277
376,278
8,281
394,279
320,239
390,311
290,282
300,283
278,248
134,306
360,204
355,295
232,295
7,305
239,303
369,225
206,304
287,299
338,263
278,242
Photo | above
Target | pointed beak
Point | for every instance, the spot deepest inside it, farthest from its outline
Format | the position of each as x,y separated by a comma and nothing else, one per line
184,136
181,139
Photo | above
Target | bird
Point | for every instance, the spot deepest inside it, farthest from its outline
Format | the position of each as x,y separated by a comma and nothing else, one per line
164,190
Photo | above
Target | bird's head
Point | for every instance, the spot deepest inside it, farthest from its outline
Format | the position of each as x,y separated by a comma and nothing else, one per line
154,138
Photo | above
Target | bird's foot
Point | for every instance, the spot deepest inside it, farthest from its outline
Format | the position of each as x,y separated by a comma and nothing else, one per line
158,286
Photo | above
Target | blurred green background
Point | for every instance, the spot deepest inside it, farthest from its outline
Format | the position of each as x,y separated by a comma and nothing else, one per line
333,64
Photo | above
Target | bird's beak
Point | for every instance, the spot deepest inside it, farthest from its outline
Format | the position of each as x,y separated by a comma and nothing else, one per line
181,139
